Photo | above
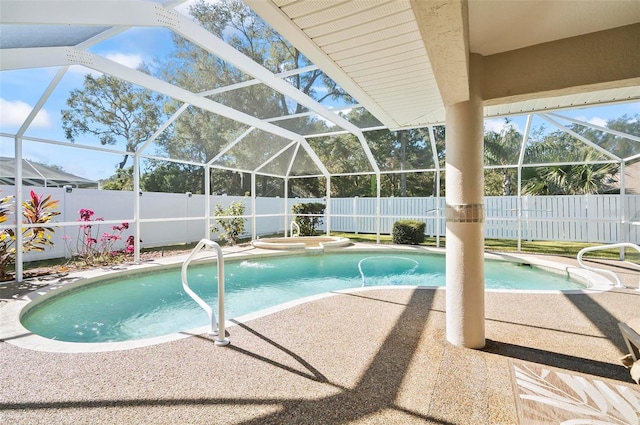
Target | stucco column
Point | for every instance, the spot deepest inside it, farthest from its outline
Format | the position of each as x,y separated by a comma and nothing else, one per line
465,217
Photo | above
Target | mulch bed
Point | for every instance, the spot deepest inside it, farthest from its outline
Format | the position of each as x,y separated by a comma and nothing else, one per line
38,277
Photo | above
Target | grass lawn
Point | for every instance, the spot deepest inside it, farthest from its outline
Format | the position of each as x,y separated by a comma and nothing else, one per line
563,249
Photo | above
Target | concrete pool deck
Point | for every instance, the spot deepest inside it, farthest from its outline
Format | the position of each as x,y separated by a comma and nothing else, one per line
378,356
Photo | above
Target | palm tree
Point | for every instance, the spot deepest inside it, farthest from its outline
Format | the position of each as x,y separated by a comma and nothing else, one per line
584,178
501,149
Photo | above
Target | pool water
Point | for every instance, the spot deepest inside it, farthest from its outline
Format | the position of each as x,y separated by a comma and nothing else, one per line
153,304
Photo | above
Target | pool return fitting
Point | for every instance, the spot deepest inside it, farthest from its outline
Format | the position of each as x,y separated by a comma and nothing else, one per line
216,328
385,257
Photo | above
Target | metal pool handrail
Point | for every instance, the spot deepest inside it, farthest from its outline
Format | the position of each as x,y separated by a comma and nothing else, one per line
603,247
291,226
216,328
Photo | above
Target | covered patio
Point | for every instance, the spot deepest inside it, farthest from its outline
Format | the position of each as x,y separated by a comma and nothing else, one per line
377,356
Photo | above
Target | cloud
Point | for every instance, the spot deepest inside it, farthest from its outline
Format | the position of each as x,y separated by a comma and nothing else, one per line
598,121
129,60
595,120
499,124
14,113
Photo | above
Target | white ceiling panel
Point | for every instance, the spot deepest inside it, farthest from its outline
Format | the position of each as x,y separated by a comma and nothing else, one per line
380,11
376,47
376,60
380,29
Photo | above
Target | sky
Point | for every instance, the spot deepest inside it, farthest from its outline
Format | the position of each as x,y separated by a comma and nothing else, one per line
20,90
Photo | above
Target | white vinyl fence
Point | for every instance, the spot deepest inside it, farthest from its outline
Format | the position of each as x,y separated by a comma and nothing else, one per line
167,219
587,218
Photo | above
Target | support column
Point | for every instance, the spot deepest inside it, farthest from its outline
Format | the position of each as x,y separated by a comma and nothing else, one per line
464,214
286,206
207,202
19,210
327,208
253,207
136,208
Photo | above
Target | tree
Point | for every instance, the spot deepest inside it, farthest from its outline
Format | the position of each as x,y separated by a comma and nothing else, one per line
200,135
501,149
619,146
112,110
172,177
121,180
580,179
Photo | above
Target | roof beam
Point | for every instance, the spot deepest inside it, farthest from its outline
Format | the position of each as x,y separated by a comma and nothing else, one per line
579,137
103,13
62,56
274,156
155,15
230,145
85,13
597,127
293,159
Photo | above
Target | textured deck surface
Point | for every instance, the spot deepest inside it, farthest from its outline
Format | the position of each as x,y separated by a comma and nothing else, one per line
372,357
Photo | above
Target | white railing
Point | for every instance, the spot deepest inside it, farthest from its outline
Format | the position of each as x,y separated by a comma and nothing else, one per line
216,327
292,227
602,248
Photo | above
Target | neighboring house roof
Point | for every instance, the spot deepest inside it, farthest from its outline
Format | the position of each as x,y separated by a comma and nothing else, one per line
34,174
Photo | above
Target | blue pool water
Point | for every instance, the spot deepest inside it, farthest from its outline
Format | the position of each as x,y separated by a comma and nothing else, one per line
152,304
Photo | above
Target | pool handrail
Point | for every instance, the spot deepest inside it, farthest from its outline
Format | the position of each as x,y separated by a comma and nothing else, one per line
603,247
291,226
216,328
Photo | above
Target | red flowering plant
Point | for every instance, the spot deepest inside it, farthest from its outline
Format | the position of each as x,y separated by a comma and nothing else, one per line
94,248
37,210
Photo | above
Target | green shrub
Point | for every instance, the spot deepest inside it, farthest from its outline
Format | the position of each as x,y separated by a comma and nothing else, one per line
232,227
304,219
408,232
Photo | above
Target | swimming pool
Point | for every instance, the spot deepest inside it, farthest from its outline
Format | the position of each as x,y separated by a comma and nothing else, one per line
151,304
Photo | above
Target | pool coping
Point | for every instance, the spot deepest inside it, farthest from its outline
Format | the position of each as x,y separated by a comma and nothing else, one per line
12,331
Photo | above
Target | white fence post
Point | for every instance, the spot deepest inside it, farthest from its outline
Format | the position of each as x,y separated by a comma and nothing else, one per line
355,215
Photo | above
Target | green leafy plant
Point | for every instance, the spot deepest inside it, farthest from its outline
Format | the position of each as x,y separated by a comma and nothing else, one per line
408,232
38,209
230,225
308,216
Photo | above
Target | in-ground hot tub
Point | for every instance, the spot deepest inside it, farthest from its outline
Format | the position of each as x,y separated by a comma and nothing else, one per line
301,242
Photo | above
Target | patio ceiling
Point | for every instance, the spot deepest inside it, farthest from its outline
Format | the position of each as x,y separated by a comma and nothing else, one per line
405,60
